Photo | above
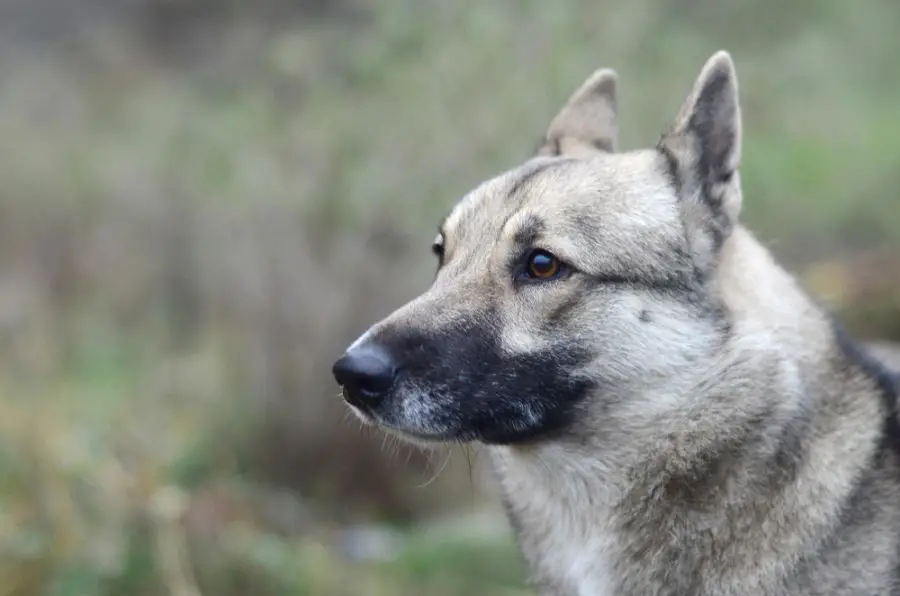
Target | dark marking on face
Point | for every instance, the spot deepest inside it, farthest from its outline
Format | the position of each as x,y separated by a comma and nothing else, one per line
473,391
527,178
563,311
672,168
529,232
674,283
645,316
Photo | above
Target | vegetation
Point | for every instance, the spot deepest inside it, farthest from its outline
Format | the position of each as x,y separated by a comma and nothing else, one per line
195,219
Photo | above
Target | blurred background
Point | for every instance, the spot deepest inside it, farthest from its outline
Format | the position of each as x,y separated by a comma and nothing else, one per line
203,201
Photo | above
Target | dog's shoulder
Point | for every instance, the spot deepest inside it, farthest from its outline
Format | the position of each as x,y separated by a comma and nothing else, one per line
886,382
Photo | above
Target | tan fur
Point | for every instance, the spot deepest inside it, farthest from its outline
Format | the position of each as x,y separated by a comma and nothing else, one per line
587,122
730,444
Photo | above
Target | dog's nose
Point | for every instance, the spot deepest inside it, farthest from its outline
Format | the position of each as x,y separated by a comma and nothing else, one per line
366,373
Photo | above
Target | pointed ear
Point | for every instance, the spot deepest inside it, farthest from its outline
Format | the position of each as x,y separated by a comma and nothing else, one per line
587,122
703,149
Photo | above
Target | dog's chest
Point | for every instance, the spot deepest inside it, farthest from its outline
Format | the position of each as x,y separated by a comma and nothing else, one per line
583,568
562,532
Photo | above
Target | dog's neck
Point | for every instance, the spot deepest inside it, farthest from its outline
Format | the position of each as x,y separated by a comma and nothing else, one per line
767,300
599,515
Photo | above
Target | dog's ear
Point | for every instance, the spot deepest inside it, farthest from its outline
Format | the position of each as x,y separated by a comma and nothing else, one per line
703,150
587,122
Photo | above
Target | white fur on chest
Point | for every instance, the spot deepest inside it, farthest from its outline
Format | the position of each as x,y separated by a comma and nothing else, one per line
563,522
586,566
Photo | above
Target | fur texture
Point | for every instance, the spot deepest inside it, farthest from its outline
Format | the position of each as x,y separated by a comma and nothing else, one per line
669,412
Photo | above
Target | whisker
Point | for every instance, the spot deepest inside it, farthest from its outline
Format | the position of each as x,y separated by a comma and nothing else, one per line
440,471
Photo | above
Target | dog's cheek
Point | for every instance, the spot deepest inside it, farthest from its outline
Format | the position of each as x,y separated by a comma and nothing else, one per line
470,384
446,367
531,396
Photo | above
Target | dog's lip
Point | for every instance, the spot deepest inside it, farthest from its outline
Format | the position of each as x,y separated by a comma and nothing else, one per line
362,408
405,432
347,397
421,438
364,413
422,435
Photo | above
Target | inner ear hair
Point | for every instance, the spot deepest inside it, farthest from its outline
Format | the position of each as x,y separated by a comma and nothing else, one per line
705,138
702,151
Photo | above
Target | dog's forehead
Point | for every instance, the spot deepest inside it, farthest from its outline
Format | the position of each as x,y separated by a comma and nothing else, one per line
610,190
492,202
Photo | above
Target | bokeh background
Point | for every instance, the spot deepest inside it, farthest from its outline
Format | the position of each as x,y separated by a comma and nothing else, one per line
203,201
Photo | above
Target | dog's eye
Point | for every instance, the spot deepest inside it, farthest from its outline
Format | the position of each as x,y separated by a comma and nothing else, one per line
543,265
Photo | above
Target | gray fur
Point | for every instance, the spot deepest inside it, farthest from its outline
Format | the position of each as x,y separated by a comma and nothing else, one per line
587,122
672,414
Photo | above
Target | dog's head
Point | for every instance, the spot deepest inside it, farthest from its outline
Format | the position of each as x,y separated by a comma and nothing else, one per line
572,291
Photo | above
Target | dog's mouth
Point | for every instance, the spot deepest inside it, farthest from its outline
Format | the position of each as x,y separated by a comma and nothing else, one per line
389,418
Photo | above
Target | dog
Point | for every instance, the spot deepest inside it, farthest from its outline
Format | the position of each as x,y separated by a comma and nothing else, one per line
667,410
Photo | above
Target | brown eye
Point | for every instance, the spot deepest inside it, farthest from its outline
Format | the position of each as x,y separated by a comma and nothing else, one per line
543,265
